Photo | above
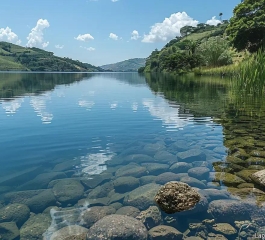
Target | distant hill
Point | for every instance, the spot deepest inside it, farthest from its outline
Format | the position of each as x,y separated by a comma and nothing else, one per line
130,65
17,58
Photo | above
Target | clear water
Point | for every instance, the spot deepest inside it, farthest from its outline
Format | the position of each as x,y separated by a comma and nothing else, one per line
78,126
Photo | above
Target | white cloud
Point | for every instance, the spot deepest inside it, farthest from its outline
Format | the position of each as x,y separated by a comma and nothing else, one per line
114,0
135,35
7,35
84,37
35,37
89,48
213,21
113,36
169,28
59,46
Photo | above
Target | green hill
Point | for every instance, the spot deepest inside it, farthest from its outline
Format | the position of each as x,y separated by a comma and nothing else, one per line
179,55
130,65
17,58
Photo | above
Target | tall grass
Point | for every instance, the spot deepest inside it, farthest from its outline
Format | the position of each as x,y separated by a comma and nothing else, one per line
248,75
251,77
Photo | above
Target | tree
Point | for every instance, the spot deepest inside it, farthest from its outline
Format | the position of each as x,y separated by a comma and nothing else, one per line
186,30
215,52
220,15
246,29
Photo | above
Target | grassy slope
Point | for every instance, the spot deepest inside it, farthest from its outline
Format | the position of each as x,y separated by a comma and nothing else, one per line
14,57
125,66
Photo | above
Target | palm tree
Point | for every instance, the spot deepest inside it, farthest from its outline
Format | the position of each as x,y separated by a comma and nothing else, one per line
220,15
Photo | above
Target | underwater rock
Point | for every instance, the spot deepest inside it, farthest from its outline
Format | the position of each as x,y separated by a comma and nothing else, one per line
180,167
116,205
116,197
226,178
128,211
150,217
214,185
259,178
42,181
179,146
68,191
35,226
152,148
214,194
94,181
176,197
94,202
245,174
213,236
117,227
9,231
101,191
164,232
36,200
125,184
168,177
132,170
155,168
147,179
224,228
199,173
66,165
92,215
142,197
138,158
72,232
18,213
164,156
230,210
191,155
193,182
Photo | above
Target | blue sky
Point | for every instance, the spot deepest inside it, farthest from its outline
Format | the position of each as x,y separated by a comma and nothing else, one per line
104,31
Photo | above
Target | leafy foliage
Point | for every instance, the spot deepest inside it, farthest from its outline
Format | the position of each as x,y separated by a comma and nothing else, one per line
247,27
182,54
216,52
14,57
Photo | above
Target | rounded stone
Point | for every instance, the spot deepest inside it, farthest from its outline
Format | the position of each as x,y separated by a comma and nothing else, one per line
68,191
180,167
129,211
92,215
125,184
8,231
35,226
72,232
132,170
164,232
116,226
142,197
18,213
176,197
167,177
199,173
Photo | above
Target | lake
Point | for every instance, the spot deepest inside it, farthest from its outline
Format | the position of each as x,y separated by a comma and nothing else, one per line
78,149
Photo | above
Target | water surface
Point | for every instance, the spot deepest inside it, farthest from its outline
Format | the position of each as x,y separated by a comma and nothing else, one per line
77,126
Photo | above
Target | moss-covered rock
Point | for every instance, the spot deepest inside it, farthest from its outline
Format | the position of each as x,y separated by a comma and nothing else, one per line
68,191
9,231
35,226
227,178
18,213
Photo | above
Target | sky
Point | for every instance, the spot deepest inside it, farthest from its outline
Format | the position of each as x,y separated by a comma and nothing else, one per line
104,31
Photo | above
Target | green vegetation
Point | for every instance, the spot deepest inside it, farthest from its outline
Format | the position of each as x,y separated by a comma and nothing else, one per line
130,65
198,46
247,27
14,57
234,48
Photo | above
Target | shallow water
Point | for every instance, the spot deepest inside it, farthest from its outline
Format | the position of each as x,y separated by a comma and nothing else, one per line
68,140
